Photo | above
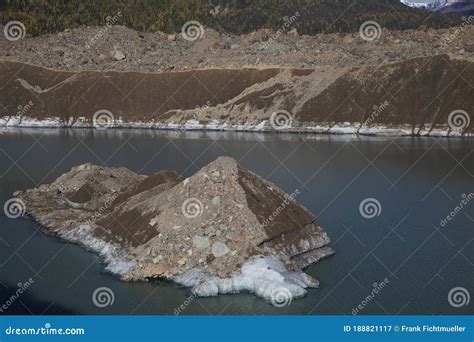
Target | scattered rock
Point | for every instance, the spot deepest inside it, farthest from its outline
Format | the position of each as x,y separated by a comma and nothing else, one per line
216,200
201,242
157,259
219,249
101,59
210,231
228,51
118,55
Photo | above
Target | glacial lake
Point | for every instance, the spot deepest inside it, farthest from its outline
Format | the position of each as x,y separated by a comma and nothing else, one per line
417,181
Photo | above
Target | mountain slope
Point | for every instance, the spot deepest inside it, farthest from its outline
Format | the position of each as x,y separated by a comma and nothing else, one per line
415,96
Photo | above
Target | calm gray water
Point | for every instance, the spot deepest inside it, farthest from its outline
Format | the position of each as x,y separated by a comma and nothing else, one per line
417,181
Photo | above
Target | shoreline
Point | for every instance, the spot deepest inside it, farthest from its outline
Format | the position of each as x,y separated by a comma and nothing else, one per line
353,129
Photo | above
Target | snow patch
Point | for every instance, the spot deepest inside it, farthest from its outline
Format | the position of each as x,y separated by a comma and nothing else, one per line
113,255
353,128
264,276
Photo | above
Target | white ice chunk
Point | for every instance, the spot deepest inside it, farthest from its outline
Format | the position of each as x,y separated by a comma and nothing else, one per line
264,276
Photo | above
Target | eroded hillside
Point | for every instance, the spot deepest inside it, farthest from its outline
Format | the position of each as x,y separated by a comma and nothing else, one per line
415,96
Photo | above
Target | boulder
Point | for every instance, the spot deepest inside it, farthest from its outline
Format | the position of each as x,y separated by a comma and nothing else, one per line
219,249
201,242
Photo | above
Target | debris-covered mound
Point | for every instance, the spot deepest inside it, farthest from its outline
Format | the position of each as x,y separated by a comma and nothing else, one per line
222,230
122,49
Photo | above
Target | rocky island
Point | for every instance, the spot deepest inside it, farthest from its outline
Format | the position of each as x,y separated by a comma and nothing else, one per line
222,230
